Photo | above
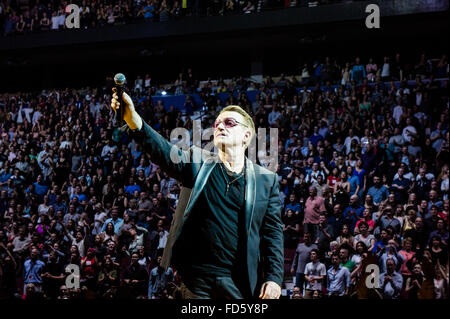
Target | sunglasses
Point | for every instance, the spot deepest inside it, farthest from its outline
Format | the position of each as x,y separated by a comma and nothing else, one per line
228,122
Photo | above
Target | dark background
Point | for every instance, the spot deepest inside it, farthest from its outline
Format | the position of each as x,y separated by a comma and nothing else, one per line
220,46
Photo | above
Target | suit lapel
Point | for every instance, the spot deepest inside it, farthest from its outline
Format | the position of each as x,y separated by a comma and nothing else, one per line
200,181
250,194
250,190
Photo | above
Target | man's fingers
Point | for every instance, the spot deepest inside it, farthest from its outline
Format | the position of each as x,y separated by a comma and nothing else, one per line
263,290
115,105
270,291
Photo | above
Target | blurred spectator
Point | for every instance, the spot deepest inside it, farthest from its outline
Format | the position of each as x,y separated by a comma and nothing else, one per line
353,181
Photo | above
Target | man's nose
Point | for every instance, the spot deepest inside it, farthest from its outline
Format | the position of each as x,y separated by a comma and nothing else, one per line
221,126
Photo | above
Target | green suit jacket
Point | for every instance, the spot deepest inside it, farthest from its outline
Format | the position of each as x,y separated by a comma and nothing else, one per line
265,258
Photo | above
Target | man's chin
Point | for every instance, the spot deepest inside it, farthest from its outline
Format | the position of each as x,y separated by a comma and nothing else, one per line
221,142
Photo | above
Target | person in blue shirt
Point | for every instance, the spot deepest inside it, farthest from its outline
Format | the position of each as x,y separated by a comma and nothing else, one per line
143,165
318,71
321,156
338,278
316,137
148,10
291,141
60,204
39,188
136,153
391,282
5,176
9,187
390,252
400,187
380,246
81,196
358,72
132,187
354,182
294,206
115,220
32,271
353,212
9,25
158,280
378,191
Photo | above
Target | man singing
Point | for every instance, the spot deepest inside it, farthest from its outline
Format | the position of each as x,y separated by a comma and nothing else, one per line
226,237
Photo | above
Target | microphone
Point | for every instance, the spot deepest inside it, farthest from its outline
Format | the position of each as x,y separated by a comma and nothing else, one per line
120,79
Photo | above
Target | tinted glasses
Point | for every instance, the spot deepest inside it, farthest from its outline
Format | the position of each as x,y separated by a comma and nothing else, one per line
228,122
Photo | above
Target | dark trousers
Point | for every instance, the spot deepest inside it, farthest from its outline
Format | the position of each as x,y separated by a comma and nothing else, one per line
210,287
300,281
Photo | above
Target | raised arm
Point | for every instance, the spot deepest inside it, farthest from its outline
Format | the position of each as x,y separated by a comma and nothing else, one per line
175,161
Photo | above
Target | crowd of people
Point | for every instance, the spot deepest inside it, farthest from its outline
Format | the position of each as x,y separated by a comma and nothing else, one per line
362,166
31,16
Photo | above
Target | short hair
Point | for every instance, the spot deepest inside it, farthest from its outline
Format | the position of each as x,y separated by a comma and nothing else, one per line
346,246
247,118
115,208
335,254
407,240
315,250
391,259
362,223
391,229
436,237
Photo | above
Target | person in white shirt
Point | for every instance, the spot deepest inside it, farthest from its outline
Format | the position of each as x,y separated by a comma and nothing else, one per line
445,188
366,138
385,71
36,116
397,140
315,272
138,84
55,21
61,19
398,112
403,91
147,81
419,96
419,115
312,177
348,141
274,116
99,219
163,234
409,131
108,149
406,174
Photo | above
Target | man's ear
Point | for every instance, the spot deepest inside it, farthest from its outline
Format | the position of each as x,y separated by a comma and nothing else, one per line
247,137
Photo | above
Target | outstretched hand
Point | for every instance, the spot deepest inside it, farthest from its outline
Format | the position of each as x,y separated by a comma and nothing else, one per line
130,116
